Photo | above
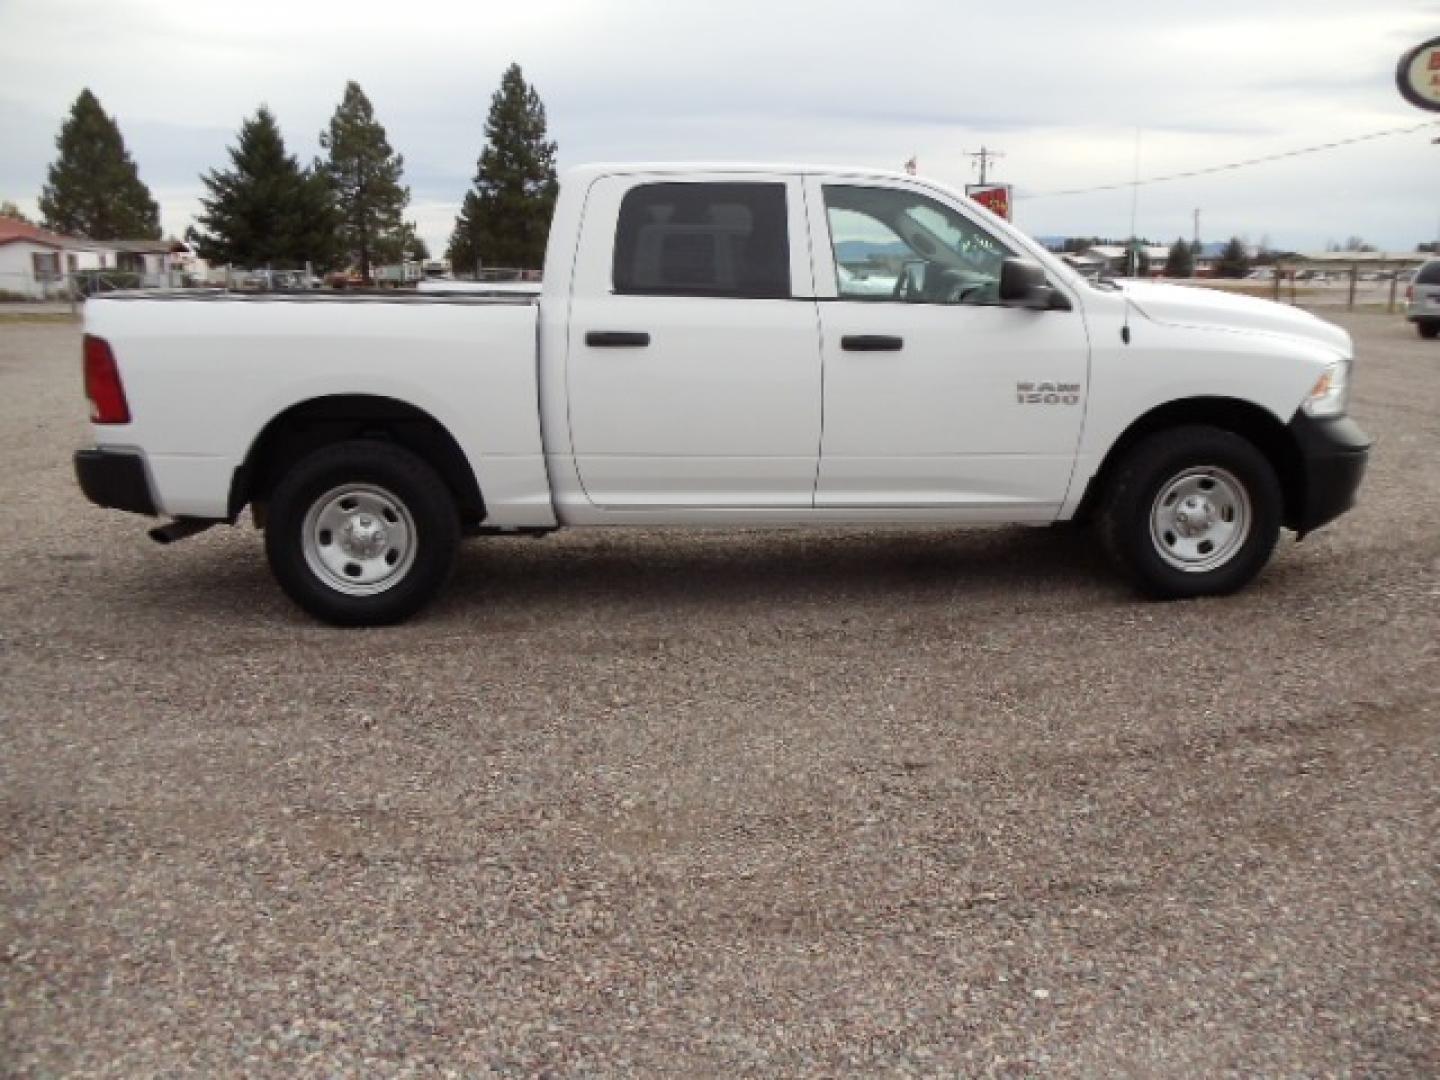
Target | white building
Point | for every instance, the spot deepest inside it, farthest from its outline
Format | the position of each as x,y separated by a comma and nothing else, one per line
38,264
34,262
1116,259
160,263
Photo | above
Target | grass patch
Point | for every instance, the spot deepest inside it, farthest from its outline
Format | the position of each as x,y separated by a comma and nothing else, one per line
37,317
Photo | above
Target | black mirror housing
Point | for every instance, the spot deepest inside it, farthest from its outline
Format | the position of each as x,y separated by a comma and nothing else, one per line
1023,284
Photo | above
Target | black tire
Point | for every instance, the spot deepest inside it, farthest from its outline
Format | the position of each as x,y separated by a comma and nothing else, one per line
1428,329
406,521
1162,464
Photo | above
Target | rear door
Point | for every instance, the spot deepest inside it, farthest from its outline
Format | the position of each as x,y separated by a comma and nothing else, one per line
693,357
936,396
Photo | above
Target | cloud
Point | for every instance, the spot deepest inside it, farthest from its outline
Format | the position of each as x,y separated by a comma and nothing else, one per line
1061,88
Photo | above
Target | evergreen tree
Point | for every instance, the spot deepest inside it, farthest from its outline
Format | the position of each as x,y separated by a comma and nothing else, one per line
403,245
266,210
93,189
463,251
1234,261
415,247
364,173
1137,259
505,219
1180,263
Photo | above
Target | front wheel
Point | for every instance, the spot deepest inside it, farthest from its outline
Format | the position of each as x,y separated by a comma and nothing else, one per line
1194,511
361,533
1428,329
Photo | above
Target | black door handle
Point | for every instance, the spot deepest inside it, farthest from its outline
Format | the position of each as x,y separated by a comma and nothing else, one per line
617,339
872,343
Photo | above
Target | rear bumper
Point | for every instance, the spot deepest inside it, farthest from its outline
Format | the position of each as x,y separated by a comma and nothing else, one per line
115,479
1333,456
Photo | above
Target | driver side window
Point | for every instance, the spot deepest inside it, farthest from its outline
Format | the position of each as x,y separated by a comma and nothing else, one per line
892,244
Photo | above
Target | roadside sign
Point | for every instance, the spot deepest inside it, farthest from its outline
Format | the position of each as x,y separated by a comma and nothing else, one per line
1418,75
994,197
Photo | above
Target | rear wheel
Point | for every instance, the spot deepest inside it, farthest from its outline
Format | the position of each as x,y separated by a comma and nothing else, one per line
361,533
1194,511
1428,329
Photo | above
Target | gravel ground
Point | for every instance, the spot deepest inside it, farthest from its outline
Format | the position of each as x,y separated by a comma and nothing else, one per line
691,803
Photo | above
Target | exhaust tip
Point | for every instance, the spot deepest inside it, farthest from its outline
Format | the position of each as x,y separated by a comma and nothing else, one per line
179,529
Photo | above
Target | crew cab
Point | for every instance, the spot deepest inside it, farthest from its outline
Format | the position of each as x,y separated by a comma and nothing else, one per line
726,345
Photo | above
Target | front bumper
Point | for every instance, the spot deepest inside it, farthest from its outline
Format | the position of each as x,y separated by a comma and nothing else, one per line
1333,455
115,479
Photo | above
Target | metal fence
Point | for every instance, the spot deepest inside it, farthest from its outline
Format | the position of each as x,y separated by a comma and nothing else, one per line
26,285
1346,287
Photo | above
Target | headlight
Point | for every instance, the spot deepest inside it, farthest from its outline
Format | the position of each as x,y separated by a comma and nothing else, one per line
1331,393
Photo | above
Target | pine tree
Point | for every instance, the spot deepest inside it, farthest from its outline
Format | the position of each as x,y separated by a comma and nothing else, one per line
1180,263
505,218
1234,261
1137,259
403,245
462,251
266,210
364,173
93,189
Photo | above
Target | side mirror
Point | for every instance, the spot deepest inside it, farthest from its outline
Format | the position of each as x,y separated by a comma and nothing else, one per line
1023,284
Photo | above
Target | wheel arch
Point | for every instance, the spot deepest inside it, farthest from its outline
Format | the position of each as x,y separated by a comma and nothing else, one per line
308,425
1250,421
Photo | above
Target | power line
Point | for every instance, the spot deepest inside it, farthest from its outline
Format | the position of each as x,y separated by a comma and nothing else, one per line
1233,164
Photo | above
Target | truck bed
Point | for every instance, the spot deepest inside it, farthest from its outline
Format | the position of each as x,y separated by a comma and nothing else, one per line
206,372
479,296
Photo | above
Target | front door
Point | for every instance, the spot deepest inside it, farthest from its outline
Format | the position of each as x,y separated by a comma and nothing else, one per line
936,396
693,363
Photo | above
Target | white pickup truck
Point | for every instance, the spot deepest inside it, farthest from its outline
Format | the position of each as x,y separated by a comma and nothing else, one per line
726,345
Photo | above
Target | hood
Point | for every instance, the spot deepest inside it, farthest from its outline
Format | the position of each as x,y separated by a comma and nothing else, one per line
1193,305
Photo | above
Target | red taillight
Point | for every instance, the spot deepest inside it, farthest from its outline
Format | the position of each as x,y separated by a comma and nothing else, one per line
102,384
1409,293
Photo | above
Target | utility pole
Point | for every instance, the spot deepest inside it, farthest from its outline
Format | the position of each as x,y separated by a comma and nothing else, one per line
983,157
1197,228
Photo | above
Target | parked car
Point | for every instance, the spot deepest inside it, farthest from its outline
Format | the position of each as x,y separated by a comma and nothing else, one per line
695,358
294,279
344,279
1422,299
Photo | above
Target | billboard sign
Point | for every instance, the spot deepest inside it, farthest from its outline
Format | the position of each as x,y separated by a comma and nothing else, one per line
994,197
1418,75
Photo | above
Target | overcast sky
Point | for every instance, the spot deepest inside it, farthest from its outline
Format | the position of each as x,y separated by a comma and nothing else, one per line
1060,87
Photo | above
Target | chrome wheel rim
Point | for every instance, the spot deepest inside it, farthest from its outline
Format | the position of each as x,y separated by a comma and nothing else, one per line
359,539
1200,519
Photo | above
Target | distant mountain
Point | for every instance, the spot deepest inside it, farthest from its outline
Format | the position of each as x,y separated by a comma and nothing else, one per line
859,251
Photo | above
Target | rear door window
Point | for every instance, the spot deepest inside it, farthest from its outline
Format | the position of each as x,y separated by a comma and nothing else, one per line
703,239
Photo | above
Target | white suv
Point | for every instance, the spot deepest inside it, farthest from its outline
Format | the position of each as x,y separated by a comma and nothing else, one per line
1424,299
